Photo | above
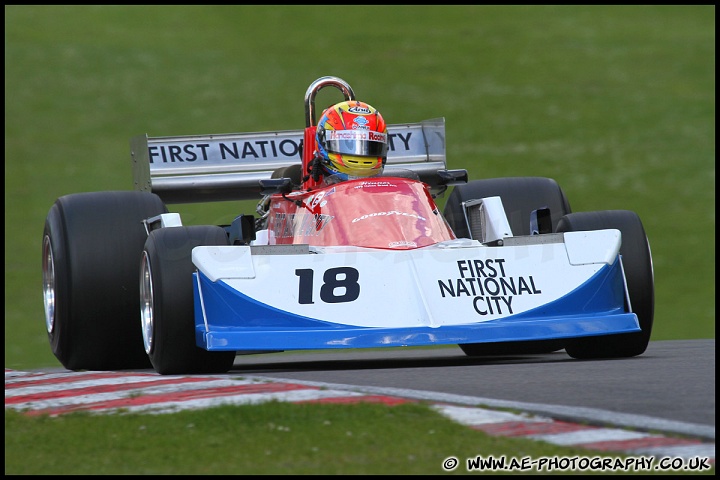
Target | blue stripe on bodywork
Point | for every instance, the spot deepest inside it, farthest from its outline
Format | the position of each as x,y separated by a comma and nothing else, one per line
238,322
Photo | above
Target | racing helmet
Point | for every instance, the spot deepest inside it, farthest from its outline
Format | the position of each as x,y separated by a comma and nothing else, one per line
352,140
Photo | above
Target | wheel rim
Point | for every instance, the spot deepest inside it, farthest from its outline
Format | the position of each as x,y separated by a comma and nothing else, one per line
48,269
146,303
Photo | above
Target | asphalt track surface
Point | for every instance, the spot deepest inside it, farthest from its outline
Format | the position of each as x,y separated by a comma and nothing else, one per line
658,405
671,387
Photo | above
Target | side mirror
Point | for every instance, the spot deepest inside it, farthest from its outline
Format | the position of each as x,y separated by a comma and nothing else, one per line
276,185
452,177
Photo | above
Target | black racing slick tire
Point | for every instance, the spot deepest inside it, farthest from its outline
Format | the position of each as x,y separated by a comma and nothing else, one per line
167,304
520,196
638,268
90,248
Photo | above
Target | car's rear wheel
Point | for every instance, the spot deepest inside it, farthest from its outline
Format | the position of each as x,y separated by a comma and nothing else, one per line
90,247
520,196
638,268
167,304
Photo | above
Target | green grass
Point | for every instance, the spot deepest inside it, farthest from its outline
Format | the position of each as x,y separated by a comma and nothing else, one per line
271,438
617,103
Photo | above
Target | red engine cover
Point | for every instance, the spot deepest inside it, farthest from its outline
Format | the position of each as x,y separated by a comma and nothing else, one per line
383,212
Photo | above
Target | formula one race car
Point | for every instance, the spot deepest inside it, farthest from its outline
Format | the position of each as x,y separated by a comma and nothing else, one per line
506,268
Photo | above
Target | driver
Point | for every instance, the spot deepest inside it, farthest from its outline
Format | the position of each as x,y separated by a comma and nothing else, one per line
352,142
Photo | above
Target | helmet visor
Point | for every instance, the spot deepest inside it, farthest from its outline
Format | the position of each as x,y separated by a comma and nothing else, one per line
364,143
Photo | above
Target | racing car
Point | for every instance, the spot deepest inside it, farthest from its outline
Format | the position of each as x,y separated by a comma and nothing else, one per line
506,268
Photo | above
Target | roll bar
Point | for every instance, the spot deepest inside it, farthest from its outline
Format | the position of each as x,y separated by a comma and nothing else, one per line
315,87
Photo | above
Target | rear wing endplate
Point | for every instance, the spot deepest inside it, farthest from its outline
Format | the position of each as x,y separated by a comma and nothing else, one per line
206,168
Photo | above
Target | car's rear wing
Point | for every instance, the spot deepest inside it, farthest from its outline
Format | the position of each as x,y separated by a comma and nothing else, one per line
205,168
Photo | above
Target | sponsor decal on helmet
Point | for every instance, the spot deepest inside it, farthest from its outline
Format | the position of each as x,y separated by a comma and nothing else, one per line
377,137
361,123
359,110
362,135
346,135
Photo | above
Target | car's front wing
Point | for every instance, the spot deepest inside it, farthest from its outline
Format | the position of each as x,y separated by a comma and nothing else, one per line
298,297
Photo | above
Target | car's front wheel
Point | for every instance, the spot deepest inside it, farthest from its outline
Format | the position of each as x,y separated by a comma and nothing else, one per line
167,305
638,268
